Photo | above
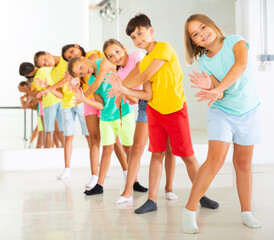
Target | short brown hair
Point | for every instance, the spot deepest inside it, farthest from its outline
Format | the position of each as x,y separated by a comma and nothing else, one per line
193,51
71,63
140,20
36,56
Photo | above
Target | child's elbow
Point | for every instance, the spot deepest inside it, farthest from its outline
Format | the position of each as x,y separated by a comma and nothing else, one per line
150,96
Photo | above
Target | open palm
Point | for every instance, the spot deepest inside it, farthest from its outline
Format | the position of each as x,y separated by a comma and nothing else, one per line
200,81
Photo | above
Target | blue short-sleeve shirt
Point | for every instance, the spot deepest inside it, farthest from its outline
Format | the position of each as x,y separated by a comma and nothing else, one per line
241,97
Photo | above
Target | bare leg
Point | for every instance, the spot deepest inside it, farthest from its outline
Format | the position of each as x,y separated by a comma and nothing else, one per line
217,152
120,153
56,140
140,139
242,163
104,165
155,173
40,139
170,163
92,122
34,134
49,138
68,150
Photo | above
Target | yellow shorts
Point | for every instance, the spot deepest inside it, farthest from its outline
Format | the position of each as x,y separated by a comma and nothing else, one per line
110,129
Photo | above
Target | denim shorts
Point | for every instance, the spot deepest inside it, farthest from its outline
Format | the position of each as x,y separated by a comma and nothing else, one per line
243,129
142,116
50,113
69,115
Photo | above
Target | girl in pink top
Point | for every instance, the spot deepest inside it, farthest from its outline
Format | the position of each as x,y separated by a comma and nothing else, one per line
127,66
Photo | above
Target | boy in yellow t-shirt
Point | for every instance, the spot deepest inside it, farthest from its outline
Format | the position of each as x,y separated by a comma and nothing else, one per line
51,104
167,114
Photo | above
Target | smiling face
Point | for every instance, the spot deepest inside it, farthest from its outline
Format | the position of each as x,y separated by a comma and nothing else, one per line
116,55
142,37
82,68
201,34
45,60
72,52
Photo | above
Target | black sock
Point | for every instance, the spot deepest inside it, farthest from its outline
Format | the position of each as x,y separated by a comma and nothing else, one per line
98,189
139,188
148,206
208,203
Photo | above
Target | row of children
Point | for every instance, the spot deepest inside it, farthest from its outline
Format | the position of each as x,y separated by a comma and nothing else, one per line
226,81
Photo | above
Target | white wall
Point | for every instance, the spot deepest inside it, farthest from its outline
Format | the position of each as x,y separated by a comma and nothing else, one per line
28,26
249,18
168,19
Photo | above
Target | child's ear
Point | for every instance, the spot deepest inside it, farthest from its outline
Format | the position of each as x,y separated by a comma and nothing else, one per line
151,30
76,45
124,48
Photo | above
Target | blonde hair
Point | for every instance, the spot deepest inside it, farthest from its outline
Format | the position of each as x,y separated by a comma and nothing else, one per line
71,63
193,51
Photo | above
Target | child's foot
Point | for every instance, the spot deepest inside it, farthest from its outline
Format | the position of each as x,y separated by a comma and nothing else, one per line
148,206
98,189
171,196
92,182
208,203
189,222
122,199
249,220
65,174
139,188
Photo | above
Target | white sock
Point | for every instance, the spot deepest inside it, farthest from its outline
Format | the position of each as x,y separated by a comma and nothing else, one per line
65,174
171,196
125,176
122,199
249,220
92,182
189,222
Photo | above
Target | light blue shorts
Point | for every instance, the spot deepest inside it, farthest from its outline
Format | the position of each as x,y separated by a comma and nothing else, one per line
142,116
69,115
50,113
244,129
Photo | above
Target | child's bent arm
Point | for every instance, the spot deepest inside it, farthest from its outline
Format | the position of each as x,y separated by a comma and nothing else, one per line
105,66
57,93
98,101
145,94
145,76
135,71
241,55
132,99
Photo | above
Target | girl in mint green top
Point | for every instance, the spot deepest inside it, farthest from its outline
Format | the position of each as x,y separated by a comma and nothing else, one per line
241,97
234,116
110,119
110,112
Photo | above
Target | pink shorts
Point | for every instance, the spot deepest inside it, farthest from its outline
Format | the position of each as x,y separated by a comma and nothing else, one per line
41,113
89,110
